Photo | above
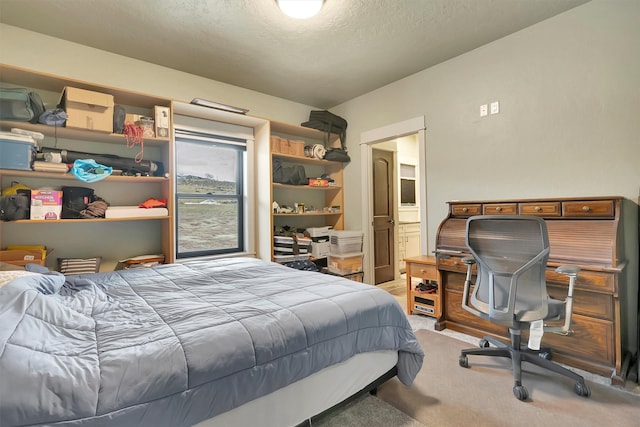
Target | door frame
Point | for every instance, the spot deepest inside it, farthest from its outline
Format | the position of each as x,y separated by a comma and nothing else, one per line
367,140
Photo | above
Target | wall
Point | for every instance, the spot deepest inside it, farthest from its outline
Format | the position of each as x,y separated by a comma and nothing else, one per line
35,51
569,120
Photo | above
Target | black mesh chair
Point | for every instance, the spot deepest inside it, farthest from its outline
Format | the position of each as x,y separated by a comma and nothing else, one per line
510,253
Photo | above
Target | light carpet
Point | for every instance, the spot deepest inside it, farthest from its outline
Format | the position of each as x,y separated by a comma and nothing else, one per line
445,394
367,411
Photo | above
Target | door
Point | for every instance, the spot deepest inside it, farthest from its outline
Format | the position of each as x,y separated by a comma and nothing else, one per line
383,216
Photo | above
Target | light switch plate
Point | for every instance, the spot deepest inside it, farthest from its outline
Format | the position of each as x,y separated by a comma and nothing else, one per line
483,110
495,107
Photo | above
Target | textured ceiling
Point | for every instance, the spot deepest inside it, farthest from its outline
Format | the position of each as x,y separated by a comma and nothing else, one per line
350,48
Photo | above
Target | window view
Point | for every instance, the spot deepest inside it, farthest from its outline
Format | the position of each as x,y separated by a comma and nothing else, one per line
209,196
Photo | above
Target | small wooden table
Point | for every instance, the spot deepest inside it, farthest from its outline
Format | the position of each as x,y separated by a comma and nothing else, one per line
423,267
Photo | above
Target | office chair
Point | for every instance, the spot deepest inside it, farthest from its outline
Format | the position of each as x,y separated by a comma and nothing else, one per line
510,253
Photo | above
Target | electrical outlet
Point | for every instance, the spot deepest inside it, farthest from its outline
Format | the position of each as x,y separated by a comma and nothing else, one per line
483,110
495,107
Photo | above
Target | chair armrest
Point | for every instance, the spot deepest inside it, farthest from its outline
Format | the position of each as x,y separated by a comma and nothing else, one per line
468,260
572,272
569,270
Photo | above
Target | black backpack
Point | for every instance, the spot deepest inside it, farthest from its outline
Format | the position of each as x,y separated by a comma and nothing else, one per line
15,206
328,122
294,175
75,200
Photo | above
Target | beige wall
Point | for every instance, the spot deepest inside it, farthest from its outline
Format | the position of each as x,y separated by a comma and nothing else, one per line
569,121
61,58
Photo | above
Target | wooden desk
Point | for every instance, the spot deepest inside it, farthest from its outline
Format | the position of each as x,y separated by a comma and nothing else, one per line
423,267
582,231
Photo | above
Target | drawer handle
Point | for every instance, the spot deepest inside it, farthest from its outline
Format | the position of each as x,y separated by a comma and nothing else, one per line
464,210
586,208
538,209
499,209
422,270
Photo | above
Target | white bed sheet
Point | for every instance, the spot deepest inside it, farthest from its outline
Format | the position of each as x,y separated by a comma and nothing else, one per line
291,405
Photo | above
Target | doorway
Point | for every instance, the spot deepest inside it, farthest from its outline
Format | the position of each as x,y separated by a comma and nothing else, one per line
370,142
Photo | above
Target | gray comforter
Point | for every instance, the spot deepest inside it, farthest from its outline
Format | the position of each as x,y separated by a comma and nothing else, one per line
179,343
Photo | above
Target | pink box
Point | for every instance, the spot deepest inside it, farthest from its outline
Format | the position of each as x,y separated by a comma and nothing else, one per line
46,204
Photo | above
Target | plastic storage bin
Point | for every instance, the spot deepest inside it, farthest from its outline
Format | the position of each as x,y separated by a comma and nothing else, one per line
16,154
344,264
345,241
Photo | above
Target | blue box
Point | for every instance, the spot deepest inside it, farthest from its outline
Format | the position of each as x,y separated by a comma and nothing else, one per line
16,154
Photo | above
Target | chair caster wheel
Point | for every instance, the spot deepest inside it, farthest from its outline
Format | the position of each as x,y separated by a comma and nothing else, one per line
483,343
582,389
520,392
463,361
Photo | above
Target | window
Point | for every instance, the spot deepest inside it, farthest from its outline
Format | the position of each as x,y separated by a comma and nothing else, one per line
407,185
211,193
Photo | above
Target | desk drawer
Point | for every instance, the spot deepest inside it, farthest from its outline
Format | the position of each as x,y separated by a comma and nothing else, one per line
586,303
455,313
545,209
592,339
452,263
588,280
422,271
466,210
589,208
500,209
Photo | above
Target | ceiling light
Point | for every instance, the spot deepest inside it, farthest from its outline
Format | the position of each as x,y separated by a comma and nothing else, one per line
300,9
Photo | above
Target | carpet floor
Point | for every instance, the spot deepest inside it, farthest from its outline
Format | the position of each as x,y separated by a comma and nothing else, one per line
367,411
445,394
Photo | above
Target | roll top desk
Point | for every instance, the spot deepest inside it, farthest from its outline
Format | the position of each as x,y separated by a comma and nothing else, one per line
583,231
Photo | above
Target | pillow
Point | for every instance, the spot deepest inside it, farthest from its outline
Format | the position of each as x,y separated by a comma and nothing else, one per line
7,276
44,283
4,266
79,265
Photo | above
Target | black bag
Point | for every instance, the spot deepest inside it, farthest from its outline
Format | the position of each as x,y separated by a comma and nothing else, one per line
328,122
20,104
15,206
337,155
294,175
119,115
304,265
75,200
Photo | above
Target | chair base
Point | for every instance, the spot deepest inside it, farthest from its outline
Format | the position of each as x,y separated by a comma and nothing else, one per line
518,354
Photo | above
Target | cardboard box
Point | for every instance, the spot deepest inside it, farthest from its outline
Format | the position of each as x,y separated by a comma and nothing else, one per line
345,264
162,121
46,204
132,118
39,248
87,109
21,257
296,148
275,144
318,182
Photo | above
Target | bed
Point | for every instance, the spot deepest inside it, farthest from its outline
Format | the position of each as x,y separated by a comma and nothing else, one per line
211,343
